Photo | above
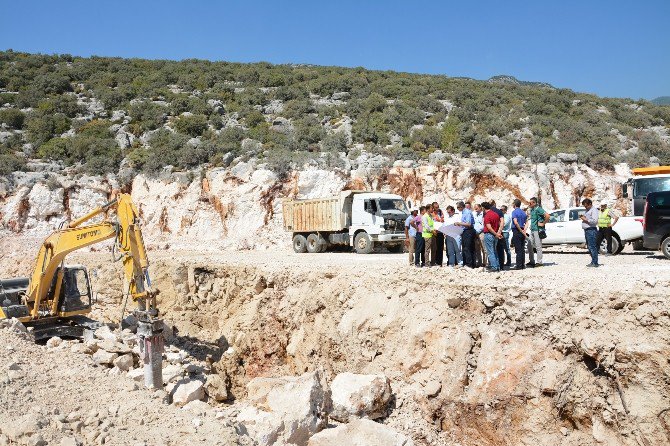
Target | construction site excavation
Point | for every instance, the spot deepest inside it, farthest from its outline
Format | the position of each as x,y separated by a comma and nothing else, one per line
260,342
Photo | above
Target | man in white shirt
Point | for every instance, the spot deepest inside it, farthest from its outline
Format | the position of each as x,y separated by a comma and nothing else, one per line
410,235
590,227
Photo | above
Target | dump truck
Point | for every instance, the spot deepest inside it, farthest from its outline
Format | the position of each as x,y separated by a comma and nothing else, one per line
362,219
644,181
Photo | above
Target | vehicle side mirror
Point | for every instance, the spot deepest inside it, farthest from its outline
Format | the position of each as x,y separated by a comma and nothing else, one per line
624,191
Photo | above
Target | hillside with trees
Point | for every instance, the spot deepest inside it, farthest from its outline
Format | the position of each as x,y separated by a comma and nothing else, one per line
102,113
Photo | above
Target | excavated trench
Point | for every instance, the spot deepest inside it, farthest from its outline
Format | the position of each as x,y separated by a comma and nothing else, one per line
470,363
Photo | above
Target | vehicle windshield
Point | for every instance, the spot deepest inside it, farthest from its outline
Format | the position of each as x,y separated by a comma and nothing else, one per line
556,217
645,185
392,205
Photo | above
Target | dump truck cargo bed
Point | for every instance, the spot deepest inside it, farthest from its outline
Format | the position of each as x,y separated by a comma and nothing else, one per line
329,214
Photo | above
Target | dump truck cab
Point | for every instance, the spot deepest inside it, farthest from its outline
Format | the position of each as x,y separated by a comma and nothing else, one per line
381,216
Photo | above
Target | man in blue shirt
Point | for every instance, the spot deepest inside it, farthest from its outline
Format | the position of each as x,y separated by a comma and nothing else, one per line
507,227
468,236
519,218
410,235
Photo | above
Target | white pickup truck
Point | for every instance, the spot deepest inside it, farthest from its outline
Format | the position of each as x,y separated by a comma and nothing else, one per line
565,228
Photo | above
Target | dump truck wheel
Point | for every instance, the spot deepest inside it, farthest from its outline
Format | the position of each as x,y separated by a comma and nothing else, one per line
314,243
299,244
363,243
395,248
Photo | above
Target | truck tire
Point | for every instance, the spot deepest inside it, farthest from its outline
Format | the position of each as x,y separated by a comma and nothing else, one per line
395,248
299,243
617,246
363,243
315,243
665,247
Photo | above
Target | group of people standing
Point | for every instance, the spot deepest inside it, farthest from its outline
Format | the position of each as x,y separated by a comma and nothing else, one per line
487,233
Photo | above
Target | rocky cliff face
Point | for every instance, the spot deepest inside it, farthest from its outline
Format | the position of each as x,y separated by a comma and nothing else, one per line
239,207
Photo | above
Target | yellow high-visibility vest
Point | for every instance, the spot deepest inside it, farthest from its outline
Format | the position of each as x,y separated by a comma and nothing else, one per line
604,219
428,229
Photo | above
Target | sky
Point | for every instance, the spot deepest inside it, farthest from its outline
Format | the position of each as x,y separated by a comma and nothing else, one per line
611,48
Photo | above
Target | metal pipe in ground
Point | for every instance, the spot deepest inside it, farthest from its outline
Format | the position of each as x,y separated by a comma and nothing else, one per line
150,337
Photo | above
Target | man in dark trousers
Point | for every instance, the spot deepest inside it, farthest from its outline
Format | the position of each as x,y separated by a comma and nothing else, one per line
519,218
438,215
419,255
468,236
500,246
590,227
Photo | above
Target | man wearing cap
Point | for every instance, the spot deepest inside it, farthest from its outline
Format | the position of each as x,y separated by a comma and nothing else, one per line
606,219
410,235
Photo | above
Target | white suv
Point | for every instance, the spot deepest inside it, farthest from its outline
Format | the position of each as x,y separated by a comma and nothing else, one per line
565,228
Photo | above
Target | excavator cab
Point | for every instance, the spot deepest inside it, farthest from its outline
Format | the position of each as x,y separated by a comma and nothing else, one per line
75,292
74,301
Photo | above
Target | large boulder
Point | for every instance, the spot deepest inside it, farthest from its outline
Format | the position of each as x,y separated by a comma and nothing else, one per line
567,157
216,388
102,357
188,390
285,410
124,362
359,396
360,433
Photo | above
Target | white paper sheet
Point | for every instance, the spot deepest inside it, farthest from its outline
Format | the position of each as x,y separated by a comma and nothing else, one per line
451,230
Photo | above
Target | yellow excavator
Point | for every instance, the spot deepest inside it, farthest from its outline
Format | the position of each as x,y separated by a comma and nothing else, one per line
56,298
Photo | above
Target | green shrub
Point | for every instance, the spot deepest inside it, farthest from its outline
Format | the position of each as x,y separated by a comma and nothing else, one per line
253,118
298,108
7,98
378,101
192,125
335,142
12,117
166,148
64,104
10,163
147,116
98,128
41,128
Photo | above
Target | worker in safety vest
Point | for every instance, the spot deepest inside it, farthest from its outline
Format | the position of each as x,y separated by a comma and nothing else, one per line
606,219
429,236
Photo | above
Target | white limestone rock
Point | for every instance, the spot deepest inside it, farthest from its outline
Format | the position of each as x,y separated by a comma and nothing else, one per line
360,432
359,396
285,410
188,390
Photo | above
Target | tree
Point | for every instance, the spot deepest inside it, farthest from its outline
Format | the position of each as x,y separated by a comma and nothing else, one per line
450,134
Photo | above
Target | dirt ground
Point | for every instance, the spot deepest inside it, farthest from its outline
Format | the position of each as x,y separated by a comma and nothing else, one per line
561,354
